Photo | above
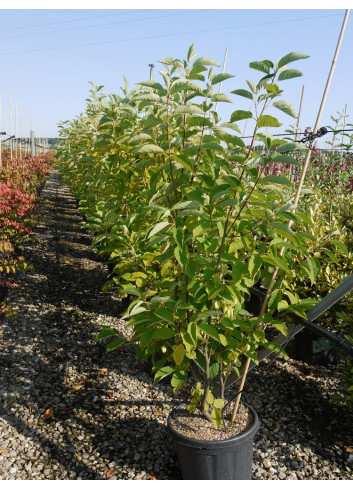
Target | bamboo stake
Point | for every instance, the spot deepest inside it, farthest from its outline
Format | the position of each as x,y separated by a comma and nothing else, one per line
323,101
300,185
223,69
299,113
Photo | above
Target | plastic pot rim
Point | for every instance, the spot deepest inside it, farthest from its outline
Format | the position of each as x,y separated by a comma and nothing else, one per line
235,440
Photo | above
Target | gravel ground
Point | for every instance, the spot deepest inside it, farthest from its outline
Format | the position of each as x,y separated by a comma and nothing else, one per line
68,410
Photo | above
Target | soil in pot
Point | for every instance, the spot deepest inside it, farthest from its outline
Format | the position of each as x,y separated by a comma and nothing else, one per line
197,427
207,453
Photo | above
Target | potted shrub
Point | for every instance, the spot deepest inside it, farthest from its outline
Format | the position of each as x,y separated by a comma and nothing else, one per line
207,221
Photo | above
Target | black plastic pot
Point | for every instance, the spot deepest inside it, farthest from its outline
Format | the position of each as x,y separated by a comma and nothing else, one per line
3,292
229,459
313,349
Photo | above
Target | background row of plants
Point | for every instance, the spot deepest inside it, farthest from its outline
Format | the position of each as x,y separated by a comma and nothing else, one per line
188,217
20,179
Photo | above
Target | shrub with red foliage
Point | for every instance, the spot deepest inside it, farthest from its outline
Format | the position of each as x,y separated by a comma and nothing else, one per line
19,182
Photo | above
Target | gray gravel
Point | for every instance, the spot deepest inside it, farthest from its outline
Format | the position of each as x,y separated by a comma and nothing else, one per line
68,410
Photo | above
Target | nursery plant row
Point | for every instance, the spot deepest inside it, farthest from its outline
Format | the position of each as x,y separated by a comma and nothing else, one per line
20,181
189,217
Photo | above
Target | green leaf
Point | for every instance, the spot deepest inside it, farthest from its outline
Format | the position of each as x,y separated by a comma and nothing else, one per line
231,125
214,369
148,148
278,179
331,255
191,53
239,115
289,58
220,97
243,93
313,267
179,354
267,121
180,256
216,416
163,372
283,159
178,380
341,246
234,140
260,66
274,300
188,109
186,204
204,61
184,161
106,334
164,314
210,398
171,61
149,97
218,403
288,74
275,348
163,334
220,78
210,331
114,344
159,227
283,148
151,84
282,327
276,261
252,87
285,107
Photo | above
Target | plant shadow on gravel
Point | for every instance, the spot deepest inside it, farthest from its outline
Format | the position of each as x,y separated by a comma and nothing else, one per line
109,423
302,411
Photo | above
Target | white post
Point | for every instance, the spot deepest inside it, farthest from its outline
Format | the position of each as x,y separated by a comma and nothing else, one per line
21,135
33,147
15,144
10,127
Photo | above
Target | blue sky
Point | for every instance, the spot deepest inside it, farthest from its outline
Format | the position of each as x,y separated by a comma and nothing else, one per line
49,55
